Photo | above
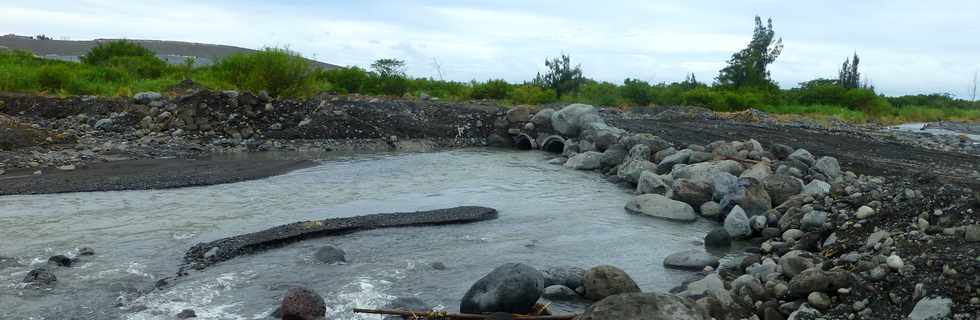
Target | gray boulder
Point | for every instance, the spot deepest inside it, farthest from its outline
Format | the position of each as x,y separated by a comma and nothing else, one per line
566,276
760,171
644,306
711,286
795,262
750,195
632,169
302,303
104,124
652,183
816,187
330,254
613,156
710,209
589,160
723,184
829,167
692,192
573,119
933,308
40,277
813,220
603,281
559,293
653,142
803,156
690,260
737,223
659,206
511,288
781,187
678,157
147,97
717,239
706,171
663,154
406,304
780,151
639,152
542,119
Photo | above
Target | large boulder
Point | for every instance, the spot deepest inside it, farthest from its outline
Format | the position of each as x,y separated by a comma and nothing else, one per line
589,160
692,192
603,281
717,239
573,119
329,254
750,195
566,276
644,306
679,157
542,119
639,152
302,303
519,114
40,277
828,167
511,288
760,171
723,184
781,187
613,156
147,97
737,223
653,142
706,171
816,188
632,169
711,285
803,156
652,183
659,206
690,260
932,308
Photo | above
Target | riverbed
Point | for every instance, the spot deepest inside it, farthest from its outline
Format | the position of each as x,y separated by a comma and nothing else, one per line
549,216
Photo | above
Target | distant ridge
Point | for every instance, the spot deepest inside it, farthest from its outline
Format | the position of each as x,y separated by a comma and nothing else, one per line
170,51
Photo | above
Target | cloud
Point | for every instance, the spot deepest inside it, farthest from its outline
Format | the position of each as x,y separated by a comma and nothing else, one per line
906,46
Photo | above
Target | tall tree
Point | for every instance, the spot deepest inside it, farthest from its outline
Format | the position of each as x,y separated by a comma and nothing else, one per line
748,68
561,76
389,67
849,77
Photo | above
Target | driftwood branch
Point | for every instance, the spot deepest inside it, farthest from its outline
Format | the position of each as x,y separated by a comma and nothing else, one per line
458,316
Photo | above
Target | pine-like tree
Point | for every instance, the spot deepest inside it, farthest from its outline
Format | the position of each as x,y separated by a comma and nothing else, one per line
849,77
749,66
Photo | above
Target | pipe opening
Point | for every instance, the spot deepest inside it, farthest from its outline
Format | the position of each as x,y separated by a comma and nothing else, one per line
523,142
554,145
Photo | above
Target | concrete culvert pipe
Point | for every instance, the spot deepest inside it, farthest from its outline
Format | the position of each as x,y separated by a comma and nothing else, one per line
553,144
524,142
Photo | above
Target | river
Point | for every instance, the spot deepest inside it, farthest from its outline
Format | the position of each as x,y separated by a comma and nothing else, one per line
549,216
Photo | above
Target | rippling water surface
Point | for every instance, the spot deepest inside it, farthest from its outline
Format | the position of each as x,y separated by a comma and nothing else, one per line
549,216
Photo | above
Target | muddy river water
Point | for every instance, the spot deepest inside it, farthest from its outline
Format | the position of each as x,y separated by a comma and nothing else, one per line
549,216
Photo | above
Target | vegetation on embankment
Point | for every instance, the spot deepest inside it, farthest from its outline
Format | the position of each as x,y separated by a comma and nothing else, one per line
123,68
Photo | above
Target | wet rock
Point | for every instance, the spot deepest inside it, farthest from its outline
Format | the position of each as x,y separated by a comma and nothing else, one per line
104,124
652,183
438,265
694,193
711,285
512,288
147,97
760,171
603,281
60,260
780,151
737,223
639,152
652,142
566,276
717,239
559,292
41,277
302,303
781,187
748,285
808,281
406,304
656,205
710,209
932,309
690,260
632,169
330,254
644,306
588,160
613,156
186,314
86,251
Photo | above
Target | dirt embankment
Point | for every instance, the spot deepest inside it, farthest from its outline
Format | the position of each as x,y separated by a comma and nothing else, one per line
85,143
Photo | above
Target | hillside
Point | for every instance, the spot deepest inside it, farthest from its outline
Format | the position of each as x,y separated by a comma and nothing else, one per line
170,51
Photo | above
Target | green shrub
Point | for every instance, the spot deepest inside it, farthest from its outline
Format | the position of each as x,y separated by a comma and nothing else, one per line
105,51
531,94
637,92
825,92
280,72
346,80
703,97
54,77
867,101
391,85
139,67
496,89
597,93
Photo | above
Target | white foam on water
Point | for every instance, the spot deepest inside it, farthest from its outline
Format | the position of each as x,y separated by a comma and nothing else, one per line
364,292
165,304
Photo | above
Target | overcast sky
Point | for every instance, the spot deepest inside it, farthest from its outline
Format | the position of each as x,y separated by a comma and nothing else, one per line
905,46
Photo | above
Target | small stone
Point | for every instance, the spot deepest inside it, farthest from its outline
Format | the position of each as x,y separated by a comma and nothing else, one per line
864,212
86,251
68,167
818,300
186,314
438,265
895,262
60,260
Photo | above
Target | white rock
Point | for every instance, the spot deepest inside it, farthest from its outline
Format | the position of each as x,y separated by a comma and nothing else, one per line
895,262
68,167
864,212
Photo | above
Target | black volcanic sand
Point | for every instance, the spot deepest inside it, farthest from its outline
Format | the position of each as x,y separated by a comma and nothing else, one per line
144,174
